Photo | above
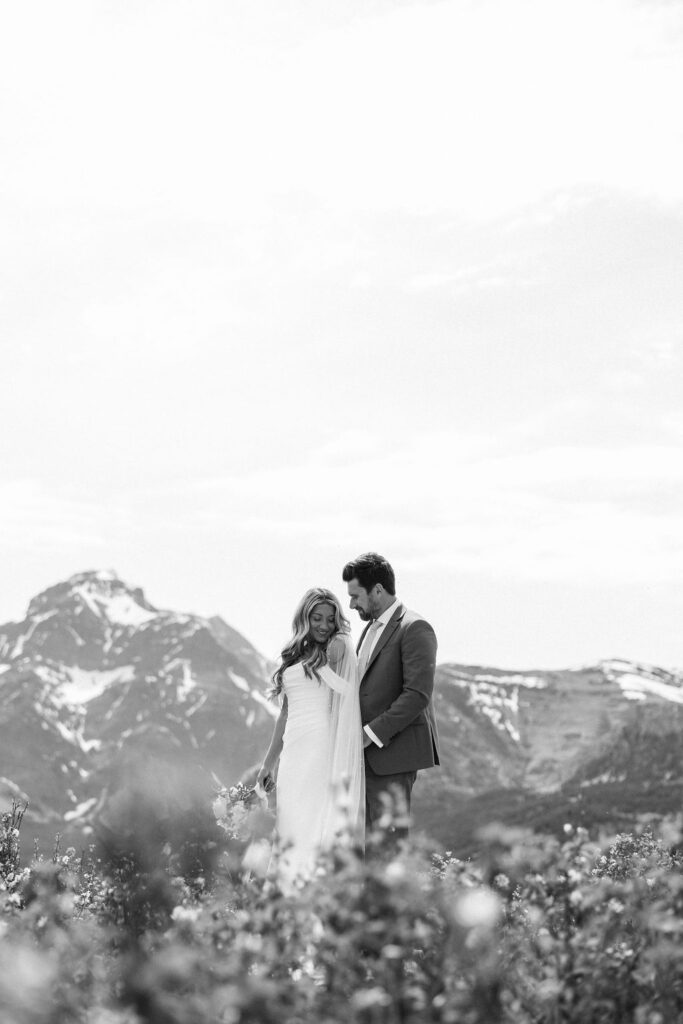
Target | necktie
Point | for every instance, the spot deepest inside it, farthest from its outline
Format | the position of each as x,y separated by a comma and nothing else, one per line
367,648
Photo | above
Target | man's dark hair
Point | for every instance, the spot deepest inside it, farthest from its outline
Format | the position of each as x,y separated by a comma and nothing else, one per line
370,569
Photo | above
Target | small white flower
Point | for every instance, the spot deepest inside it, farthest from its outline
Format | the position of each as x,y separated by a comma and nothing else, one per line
479,908
239,813
366,998
220,807
251,942
257,857
395,872
185,914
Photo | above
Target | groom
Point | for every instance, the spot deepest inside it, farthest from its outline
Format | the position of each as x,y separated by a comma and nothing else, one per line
396,659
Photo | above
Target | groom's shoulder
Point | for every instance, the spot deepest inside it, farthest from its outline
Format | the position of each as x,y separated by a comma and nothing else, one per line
408,617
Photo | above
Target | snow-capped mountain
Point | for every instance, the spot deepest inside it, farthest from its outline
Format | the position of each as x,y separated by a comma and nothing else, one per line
98,688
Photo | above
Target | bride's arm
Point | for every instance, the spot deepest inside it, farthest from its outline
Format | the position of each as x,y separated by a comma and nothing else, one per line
265,777
341,668
335,652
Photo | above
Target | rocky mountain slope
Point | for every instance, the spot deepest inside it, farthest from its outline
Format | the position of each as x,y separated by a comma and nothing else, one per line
101,692
104,697
598,745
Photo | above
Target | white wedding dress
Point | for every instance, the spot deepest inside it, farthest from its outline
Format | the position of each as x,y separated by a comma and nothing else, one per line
320,781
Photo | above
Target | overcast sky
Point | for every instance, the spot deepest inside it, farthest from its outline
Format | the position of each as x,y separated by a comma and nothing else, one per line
282,281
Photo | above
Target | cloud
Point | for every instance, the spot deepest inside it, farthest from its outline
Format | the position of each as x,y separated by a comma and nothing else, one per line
33,516
553,513
448,106
484,277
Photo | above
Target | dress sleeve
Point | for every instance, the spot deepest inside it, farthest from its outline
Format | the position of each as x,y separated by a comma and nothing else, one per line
345,672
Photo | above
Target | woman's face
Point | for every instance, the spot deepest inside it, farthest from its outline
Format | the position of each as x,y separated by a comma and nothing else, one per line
322,622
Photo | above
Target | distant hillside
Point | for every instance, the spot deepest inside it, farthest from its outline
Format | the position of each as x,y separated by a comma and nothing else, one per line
597,746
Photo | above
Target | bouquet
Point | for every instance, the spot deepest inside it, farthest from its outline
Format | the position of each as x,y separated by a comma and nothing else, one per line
240,811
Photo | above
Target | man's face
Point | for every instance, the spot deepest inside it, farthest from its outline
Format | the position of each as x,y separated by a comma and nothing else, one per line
364,602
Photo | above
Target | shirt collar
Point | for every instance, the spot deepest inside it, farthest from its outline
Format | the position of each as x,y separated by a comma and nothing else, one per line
382,619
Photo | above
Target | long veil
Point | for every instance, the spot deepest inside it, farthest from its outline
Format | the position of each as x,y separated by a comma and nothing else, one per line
345,813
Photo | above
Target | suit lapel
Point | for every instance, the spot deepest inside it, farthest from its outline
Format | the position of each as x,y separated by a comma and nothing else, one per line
385,636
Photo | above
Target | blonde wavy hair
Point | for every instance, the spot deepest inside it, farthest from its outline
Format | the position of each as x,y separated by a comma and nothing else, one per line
302,648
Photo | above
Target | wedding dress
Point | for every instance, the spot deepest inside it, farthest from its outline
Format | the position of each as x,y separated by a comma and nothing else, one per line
320,781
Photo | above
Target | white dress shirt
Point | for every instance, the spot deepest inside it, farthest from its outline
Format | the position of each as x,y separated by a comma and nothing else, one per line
371,638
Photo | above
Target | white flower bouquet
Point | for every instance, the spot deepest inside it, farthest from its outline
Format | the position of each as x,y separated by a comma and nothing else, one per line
241,811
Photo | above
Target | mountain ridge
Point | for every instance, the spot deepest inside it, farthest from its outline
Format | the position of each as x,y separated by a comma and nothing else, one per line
99,688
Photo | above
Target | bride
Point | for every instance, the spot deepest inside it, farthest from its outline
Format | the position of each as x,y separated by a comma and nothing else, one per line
317,738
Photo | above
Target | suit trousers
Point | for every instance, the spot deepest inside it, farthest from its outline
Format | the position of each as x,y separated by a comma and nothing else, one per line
388,795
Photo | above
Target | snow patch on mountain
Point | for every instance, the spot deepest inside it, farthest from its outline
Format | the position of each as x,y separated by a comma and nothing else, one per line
75,686
73,736
196,707
82,809
83,686
514,679
636,682
18,649
119,608
494,695
239,681
272,709
188,682
14,789
636,688
500,707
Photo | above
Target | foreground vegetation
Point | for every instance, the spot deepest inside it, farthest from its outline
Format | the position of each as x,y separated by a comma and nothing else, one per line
184,927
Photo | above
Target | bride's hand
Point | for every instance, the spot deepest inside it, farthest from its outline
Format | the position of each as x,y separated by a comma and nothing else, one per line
265,778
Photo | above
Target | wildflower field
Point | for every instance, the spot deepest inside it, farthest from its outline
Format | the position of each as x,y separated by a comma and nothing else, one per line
184,927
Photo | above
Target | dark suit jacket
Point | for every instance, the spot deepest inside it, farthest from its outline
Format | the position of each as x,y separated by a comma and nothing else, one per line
396,695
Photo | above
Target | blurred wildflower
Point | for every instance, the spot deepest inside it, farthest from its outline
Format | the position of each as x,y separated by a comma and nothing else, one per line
369,998
256,858
185,914
395,872
478,908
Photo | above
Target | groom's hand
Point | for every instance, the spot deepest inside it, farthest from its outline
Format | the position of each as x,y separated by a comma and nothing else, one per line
366,740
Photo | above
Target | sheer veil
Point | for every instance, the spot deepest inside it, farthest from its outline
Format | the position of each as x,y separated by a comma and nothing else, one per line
345,813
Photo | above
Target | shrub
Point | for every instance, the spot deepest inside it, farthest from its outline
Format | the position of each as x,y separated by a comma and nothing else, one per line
11,875
534,931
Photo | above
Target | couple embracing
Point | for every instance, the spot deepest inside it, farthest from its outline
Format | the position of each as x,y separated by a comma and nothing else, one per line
355,725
